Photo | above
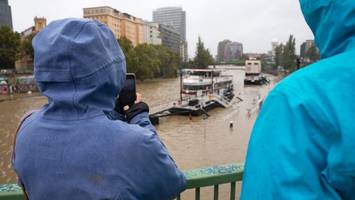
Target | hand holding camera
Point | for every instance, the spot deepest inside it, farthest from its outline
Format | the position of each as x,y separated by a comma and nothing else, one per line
129,103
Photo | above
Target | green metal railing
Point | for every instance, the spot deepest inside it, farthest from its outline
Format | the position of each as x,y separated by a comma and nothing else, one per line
11,192
213,177
196,179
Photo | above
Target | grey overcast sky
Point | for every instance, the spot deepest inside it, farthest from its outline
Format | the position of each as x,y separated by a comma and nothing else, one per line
255,23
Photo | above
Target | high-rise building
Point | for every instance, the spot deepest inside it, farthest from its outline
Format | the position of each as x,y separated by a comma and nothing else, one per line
306,46
234,51
183,51
152,33
229,51
274,45
309,52
174,17
121,24
170,38
5,14
221,49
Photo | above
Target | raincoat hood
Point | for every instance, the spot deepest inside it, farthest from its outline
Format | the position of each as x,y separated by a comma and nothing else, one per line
79,66
333,24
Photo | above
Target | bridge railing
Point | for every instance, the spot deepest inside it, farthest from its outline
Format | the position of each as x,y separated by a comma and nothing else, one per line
196,179
214,177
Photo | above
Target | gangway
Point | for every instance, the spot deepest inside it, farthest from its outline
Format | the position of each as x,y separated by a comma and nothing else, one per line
194,110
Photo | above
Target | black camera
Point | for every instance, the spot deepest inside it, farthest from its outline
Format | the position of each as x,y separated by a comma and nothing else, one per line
128,94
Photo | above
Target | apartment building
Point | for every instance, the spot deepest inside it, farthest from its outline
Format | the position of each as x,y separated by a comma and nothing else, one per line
121,24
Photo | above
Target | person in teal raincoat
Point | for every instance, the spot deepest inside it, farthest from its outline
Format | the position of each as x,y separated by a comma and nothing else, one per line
303,143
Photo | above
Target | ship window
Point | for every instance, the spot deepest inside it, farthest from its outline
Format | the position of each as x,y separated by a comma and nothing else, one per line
192,87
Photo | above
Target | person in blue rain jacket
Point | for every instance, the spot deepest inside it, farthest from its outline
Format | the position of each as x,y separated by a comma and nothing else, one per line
72,148
303,143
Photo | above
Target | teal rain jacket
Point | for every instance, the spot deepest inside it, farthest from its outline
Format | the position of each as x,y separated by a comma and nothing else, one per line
303,143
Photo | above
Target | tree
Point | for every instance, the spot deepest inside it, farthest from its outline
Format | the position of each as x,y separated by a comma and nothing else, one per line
130,54
148,62
279,55
289,54
26,46
203,58
313,54
9,47
125,44
169,62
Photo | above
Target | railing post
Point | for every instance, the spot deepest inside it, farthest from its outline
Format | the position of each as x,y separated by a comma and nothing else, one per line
215,194
197,194
232,197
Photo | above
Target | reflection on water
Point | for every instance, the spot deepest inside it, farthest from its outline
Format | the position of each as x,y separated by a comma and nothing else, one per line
193,143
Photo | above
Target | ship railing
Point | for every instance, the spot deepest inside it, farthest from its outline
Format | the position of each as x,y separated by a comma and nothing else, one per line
213,177
223,100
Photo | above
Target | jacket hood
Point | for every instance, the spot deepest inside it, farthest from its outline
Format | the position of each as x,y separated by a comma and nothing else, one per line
79,66
333,24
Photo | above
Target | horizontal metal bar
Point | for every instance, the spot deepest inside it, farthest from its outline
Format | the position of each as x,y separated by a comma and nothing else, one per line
12,195
215,175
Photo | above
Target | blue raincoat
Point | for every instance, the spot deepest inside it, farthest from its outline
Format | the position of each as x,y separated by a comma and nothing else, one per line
303,143
71,148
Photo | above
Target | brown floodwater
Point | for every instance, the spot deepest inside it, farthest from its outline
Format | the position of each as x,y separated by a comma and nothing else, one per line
193,143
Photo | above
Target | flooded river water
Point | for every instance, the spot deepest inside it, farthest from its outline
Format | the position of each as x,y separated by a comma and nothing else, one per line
193,143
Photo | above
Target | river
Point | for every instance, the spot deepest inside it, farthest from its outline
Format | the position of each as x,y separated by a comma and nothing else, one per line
193,143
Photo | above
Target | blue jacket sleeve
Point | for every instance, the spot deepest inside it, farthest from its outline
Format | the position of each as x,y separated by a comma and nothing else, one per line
159,176
143,121
165,181
287,151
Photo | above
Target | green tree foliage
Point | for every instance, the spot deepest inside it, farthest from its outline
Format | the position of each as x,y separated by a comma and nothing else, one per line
279,55
125,44
149,61
9,47
26,46
313,54
130,54
169,62
285,55
203,57
289,54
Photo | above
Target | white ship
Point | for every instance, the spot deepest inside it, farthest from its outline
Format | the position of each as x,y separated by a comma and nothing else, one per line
200,91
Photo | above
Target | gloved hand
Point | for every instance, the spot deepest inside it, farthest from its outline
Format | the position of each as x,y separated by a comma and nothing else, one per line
130,112
119,107
122,108
136,109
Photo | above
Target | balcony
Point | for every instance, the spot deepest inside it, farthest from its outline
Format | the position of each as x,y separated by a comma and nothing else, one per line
196,179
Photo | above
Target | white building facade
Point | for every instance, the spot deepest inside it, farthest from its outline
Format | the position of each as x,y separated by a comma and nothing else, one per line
152,33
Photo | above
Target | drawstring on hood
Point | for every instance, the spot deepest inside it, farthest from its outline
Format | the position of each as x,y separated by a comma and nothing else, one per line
80,67
333,24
